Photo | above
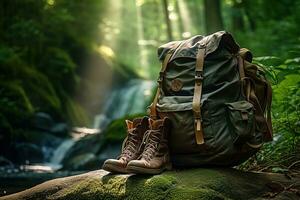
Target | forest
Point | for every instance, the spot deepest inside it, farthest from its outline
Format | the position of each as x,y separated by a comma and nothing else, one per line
77,69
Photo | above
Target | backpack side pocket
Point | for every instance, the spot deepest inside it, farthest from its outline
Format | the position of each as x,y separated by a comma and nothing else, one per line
241,121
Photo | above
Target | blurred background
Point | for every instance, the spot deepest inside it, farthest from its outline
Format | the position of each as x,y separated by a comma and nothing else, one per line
71,71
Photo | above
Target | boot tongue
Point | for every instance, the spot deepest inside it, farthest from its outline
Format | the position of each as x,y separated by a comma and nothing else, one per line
155,124
129,124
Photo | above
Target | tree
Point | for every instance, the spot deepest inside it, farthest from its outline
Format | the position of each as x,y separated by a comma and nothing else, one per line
237,16
180,22
168,21
213,16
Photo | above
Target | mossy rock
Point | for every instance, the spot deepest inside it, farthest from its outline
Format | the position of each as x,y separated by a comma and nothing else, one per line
181,184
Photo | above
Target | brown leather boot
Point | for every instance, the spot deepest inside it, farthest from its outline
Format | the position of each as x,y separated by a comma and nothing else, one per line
155,157
131,148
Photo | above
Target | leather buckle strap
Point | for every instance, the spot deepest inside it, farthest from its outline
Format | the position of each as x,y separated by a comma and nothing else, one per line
197,96
198,77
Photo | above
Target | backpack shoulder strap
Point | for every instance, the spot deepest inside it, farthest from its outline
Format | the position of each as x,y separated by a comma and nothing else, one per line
164,64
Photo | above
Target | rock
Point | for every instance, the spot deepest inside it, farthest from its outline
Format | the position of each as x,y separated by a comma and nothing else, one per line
60,130
17,181
28,153
43,138
42,121
181,184
87,144
45,141
5,162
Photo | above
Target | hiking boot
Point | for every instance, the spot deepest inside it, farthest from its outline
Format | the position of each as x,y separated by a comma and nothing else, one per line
131,148
155,157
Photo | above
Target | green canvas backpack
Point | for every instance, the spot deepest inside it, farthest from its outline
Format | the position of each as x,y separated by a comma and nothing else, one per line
218,101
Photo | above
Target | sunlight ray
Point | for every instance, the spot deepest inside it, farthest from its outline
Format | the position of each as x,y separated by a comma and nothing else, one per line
144,68
111,23
185,17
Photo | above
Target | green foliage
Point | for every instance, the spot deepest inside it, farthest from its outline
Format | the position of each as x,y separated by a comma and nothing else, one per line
284,150
263,30
42,45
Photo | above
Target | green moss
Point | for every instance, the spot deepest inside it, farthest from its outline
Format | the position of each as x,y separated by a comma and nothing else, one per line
26,89
188,193
203,184
34,83
111,187
116,130
184,184
16,94
156,187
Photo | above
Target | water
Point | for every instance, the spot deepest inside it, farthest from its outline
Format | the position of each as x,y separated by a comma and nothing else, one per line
130,99
61,150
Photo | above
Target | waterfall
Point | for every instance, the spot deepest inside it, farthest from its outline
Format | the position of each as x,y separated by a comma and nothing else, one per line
61,151
132,98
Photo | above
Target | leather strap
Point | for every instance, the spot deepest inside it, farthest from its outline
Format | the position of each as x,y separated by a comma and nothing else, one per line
153,112
197,96
260,117
269,136
152,107
241,67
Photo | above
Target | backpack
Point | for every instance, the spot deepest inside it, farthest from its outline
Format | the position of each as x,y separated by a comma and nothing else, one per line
217,100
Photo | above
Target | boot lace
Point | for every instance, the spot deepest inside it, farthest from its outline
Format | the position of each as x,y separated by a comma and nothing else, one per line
131,143
151,141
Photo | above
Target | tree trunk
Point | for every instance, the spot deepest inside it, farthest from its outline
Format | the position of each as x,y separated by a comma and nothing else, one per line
213,16
237,17
168,21
180,22
247,7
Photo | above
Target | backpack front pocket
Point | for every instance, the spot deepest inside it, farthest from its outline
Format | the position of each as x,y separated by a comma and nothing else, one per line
241,121
182,137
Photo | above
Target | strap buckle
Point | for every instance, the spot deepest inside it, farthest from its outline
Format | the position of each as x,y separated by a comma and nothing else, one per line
198,76
197,116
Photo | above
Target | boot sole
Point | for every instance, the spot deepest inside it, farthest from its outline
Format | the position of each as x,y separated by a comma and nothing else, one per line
114,168
141,170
